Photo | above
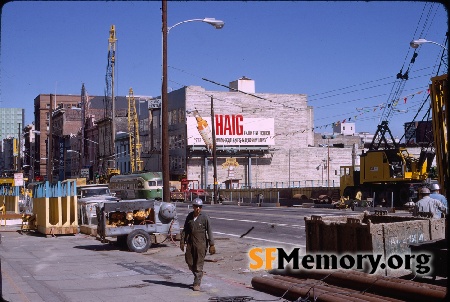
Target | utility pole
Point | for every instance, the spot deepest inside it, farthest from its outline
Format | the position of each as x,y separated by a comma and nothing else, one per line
328,165
50,142
18,153
214,150
164,109
83,118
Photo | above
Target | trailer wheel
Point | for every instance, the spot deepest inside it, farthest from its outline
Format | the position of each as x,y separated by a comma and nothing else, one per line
139,241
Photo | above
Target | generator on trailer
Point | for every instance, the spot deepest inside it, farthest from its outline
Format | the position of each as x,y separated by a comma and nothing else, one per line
137,223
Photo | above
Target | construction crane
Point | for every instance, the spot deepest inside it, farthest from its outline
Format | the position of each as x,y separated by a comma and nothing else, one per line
109,77
133,133
108,128
110,103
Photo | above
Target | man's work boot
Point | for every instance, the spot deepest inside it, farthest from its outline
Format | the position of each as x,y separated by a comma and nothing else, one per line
196,288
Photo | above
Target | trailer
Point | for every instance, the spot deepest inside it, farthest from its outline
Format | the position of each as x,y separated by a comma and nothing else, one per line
137,223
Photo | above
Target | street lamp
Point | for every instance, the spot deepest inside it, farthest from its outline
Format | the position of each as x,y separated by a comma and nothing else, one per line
214,152
417,43
218,24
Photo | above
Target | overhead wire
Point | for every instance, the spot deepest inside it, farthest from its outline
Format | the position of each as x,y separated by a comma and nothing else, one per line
287,106
298,130
394,95
399,86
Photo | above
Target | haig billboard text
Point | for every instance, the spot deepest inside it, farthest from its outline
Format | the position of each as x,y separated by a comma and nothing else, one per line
234,130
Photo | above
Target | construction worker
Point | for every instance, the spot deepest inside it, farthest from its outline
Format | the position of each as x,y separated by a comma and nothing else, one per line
428,205
197,234
434,188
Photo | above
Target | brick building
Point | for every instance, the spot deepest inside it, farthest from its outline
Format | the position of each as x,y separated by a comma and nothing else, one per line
67,132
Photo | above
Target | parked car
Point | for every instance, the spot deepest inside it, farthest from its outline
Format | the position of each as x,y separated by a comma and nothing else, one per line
93,190
89,197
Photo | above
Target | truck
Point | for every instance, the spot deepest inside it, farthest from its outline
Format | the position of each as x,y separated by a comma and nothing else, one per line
187,189
137,223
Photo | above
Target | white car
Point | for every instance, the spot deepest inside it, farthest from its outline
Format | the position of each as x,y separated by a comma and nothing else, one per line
88,199
93,190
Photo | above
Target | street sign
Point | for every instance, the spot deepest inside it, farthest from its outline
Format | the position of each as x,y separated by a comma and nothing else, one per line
85,172
18,179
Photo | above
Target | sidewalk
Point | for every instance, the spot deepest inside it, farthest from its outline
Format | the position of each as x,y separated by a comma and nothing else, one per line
80,268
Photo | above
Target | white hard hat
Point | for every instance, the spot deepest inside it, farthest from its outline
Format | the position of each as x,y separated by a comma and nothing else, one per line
424,190
434,187
197,202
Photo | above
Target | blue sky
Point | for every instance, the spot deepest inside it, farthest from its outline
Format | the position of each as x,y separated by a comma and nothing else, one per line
344,55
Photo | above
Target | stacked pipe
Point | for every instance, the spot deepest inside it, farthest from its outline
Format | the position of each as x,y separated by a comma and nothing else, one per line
349,286
315,291
348,292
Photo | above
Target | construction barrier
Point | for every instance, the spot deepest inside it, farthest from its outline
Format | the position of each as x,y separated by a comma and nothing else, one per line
377,234
9,197
55,208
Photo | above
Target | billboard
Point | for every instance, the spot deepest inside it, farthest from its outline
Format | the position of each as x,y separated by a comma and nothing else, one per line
231,130
420,132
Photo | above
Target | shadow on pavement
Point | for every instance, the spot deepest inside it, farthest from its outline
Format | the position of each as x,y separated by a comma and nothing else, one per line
99,247
167,283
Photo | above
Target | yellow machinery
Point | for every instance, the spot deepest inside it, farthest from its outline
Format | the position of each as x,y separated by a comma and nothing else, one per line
390,176
133,133
110,172
439,95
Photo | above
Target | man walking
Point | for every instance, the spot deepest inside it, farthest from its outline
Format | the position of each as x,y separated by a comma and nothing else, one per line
428,205
197,234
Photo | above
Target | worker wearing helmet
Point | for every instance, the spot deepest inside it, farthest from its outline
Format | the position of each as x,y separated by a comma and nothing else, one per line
434,188
197,234
428,205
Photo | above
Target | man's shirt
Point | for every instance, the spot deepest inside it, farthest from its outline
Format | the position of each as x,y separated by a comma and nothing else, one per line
430,205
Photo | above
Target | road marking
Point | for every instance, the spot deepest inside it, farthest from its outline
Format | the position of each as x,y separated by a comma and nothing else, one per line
260,239
254,221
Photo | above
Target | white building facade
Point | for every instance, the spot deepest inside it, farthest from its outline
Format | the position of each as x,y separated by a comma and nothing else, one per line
262,139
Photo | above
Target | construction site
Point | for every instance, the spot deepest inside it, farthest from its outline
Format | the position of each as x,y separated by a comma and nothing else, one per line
277,196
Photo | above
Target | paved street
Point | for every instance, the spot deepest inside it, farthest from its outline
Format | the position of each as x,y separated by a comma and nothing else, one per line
81,268
280,226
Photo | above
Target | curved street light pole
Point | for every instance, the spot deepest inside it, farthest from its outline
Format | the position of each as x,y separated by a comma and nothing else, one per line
218,24
418,42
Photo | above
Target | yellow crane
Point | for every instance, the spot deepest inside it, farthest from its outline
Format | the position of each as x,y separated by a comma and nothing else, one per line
133,133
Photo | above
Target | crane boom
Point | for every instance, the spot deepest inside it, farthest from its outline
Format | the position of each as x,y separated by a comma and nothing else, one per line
133,133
